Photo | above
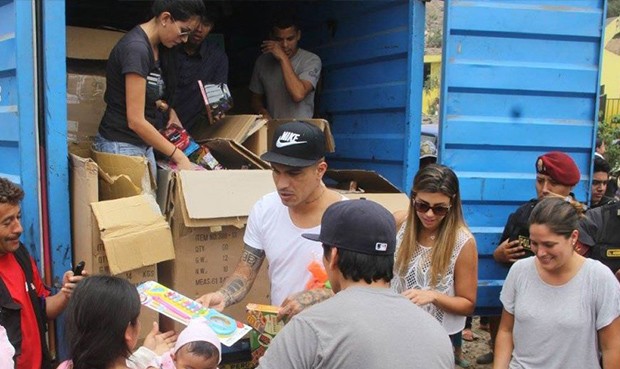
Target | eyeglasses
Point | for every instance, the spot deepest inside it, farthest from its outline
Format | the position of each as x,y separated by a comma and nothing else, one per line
182,33
438,210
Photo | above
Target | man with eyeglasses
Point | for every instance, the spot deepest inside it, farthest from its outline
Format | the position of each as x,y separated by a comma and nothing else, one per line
556,175
198,59
285,76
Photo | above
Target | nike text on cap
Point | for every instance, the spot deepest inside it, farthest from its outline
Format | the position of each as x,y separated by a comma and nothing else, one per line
296,144
361,226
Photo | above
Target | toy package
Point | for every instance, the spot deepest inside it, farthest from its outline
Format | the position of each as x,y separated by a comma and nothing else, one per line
263,319
217,99
182,309
197,154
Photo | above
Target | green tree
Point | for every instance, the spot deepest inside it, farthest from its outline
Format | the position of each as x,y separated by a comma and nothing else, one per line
613,8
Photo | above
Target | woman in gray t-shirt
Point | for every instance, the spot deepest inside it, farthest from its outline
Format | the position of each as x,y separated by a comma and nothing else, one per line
560,309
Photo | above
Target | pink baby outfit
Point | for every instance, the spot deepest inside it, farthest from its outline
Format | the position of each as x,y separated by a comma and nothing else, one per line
197,330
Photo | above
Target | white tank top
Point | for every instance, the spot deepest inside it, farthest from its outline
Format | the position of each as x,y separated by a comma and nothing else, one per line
418,276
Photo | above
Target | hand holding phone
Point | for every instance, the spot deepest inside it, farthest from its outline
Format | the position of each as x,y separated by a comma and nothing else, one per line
77,270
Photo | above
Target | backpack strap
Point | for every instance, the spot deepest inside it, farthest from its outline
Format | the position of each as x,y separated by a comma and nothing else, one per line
38,304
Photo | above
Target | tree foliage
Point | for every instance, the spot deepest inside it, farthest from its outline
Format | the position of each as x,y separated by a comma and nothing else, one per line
613,8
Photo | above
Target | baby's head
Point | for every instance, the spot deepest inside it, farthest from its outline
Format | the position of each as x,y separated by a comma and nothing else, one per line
197,347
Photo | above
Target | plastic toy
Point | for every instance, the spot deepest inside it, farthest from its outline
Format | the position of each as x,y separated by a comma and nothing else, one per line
182,309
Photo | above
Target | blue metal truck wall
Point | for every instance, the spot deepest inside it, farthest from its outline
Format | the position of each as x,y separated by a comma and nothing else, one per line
33,131
520,78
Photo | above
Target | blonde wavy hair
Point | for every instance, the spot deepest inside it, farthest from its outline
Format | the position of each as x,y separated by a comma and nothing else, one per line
433,178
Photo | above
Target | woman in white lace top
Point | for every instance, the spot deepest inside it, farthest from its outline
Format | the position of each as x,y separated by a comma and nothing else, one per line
436,263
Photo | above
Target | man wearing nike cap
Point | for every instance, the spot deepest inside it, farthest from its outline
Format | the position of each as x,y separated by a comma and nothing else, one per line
277,220
366,324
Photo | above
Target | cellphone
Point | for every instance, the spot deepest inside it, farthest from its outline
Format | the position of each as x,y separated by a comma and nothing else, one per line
77,270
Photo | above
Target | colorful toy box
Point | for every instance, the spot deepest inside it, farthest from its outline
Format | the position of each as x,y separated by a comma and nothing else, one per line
263,319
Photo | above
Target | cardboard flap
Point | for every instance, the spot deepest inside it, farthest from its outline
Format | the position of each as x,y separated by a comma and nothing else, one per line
90,43
391,201
233,127
221,197
134,233
366,181
122,175
233,155
330,144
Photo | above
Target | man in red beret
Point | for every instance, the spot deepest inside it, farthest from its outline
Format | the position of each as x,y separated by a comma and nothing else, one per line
556,174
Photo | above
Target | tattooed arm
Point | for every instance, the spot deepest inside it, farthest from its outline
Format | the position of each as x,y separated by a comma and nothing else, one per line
239,283
301,300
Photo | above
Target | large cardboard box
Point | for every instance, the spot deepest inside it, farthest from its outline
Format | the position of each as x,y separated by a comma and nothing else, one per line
87,51
90,43
85,105
208,211
87,234
254,132
357,183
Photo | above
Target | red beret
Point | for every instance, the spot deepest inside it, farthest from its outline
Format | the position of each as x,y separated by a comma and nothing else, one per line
560,167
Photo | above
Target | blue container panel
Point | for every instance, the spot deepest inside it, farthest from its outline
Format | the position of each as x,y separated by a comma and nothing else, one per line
520,78
367,62
18,131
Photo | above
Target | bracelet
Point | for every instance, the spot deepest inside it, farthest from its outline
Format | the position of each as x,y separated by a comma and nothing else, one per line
173,151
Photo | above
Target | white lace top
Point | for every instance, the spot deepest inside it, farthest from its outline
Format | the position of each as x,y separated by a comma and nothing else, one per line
418,276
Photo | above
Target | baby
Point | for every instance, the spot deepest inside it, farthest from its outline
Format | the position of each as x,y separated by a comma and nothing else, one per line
197,347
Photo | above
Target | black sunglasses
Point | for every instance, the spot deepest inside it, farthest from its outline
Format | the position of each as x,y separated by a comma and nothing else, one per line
438,210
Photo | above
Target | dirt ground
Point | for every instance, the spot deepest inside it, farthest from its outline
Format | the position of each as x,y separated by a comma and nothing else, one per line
479,346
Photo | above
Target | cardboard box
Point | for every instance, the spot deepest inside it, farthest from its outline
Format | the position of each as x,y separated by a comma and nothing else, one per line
85,105
356,183
253,131
263,319
208,215
90,43
122,175
87,242
87,51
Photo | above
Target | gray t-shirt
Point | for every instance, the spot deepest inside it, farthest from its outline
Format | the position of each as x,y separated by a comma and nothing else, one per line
361,327
556,326
267,79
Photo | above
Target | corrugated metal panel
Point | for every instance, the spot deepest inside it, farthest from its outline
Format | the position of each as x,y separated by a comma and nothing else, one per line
18,128
372,54
54,118
520,78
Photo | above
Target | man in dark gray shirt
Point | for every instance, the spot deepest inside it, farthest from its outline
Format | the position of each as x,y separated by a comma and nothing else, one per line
366,324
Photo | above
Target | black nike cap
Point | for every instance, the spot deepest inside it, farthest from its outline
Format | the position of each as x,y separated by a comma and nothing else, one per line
296,144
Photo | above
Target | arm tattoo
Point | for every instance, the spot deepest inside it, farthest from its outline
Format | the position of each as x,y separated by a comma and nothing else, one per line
239,284
252,257
311,297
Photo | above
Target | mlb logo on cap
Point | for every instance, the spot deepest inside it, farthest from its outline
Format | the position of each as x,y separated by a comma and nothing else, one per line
381,246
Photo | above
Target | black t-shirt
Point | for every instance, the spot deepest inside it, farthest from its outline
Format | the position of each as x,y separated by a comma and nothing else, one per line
132,54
